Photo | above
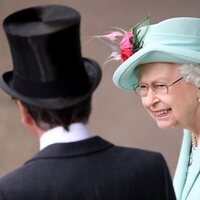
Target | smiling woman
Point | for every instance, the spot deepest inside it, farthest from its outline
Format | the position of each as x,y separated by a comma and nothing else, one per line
165,73
164,100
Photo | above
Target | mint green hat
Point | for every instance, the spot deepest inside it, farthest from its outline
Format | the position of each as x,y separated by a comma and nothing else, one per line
175,40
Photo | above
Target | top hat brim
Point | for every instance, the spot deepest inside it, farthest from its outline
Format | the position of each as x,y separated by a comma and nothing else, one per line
94,74
126,76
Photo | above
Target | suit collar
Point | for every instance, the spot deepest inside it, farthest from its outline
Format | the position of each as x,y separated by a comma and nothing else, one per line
82,147
75,132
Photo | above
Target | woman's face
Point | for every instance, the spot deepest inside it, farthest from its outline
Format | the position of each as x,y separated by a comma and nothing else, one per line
177,108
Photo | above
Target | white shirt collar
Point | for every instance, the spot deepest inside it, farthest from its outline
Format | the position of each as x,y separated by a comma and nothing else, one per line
77,132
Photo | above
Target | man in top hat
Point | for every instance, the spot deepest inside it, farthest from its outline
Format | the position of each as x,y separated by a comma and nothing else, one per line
53,85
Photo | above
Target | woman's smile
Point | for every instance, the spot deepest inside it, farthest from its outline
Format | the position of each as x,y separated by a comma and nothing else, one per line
162,114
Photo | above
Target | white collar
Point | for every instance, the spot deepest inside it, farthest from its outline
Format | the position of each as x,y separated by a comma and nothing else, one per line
77,132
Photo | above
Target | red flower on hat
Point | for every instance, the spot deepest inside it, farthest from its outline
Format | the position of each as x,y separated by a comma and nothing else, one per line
126,46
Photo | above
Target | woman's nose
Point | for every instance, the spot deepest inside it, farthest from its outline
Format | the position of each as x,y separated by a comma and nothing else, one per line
150,99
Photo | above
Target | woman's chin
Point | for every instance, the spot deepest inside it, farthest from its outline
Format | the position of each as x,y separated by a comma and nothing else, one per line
164,125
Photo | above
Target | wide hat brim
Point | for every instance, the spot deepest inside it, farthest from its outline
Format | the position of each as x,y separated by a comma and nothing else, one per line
125,76
94,74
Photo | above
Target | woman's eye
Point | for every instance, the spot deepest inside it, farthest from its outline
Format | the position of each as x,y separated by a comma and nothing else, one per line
159,85
142,86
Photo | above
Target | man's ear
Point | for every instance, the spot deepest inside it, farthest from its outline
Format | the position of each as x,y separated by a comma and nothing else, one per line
25,117
28,121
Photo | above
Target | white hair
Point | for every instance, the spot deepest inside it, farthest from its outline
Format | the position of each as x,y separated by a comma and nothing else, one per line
191,73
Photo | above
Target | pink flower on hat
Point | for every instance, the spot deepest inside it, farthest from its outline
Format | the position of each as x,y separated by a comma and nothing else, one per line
121,43
126,46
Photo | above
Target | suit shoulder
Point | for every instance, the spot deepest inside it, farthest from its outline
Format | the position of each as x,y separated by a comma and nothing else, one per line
138,151
13,177
141,155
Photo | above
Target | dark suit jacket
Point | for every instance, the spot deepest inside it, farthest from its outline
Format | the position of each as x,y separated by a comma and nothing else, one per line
92,169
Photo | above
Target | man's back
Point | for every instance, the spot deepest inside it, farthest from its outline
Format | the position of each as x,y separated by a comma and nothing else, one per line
90,169
53,85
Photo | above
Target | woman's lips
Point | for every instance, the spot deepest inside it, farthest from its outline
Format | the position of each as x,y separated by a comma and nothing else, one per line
161,113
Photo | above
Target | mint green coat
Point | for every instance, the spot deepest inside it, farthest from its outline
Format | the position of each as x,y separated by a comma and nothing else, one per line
190,190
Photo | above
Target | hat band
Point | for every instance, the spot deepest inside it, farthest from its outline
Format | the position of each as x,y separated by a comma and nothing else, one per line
179,41
50,89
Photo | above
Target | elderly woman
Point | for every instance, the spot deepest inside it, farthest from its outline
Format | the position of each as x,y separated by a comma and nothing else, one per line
163,69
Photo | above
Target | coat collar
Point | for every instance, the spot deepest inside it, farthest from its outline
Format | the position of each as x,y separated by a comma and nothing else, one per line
192,175
182,166
82,147
183,188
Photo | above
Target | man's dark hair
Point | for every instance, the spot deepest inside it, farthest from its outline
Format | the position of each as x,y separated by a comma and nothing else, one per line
46,119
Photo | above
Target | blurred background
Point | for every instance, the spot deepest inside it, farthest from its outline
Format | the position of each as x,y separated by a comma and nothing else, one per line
117,115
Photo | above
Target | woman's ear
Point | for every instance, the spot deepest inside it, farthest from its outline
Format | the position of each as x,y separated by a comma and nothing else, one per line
198,95
25,117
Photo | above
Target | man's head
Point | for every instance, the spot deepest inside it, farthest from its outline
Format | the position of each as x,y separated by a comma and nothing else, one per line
51,81
48,69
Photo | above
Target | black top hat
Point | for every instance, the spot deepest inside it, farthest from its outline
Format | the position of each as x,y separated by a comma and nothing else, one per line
48,71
